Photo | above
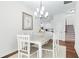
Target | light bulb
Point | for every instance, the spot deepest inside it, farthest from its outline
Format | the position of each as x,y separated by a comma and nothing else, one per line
72,11
41,12
42,8
46,14
40,16
35,13
37,9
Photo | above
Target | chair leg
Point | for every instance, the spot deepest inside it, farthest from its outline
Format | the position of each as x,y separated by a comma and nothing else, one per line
37,54
18,54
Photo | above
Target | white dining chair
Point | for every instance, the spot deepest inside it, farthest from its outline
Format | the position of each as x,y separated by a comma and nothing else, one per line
51,47
25,49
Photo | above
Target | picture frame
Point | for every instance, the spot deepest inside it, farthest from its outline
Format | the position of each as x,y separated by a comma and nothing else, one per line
27,21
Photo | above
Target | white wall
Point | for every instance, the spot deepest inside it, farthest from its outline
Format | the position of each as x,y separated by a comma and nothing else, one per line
59,26
10,24
69,19
76,26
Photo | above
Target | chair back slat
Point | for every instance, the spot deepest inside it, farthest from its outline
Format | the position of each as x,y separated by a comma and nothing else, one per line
24,43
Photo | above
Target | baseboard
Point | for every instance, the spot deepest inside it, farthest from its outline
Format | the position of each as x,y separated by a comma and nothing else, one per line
10,54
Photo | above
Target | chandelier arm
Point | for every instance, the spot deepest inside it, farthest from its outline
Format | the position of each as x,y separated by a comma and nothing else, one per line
40,13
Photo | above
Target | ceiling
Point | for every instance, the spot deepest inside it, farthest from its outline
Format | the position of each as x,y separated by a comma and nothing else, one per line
53,7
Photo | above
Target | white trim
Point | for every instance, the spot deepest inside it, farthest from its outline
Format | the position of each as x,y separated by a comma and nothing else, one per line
77,50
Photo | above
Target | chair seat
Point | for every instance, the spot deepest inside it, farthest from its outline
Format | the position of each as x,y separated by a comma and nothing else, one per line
32,50
48,45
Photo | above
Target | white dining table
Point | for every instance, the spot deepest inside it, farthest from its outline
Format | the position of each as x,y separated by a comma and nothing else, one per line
38,40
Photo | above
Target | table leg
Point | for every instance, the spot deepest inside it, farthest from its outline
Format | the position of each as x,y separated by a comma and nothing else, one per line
40,51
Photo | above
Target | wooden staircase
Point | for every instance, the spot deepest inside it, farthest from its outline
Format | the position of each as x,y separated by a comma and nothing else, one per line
70,41
70,34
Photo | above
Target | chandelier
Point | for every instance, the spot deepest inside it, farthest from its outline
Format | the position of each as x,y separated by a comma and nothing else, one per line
40,12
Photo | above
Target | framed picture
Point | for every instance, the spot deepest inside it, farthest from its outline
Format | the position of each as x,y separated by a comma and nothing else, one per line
27,21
